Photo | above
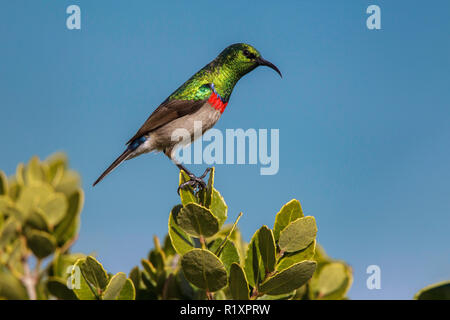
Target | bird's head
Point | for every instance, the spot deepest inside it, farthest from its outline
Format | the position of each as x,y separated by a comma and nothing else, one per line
242,58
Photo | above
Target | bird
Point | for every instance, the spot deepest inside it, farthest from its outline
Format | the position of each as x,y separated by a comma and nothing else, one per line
201,99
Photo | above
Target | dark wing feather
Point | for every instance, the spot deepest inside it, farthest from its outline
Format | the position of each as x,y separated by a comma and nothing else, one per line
167,112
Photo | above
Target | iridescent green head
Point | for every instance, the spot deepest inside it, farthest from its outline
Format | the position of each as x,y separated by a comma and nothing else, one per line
241,58
223,72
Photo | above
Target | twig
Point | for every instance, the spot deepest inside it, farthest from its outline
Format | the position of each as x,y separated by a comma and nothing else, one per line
68,244
28,279
222,245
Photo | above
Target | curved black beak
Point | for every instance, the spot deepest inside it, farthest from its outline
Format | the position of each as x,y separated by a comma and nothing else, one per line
263,62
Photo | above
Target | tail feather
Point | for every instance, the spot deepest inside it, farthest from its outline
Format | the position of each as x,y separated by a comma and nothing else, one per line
116,162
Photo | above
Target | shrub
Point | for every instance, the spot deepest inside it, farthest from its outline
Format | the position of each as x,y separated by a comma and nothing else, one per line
200,258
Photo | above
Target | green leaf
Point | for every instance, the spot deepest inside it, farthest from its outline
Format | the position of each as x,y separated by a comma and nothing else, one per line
135,276
157,256
298,234
237,283
204,270
437,291
69,182
34,175
229,234
186,194
218,207
54,208
289,259
14,189
119,288
20,174
128,291
254,267
332,282
32,197
81,287
289,212
197,220
58,288
267,248
228,253
94,273
286,296
3,183
11,288
41,243
15,251
56,165
151,270
5,203
181,241
205,195
168,247
320,255
62,262
8,232
37,220
187,290
289,279
67,227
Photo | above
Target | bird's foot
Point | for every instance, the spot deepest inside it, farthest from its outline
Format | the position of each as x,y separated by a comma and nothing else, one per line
196,183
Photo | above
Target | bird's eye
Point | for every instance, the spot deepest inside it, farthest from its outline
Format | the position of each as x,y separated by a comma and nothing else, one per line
248,54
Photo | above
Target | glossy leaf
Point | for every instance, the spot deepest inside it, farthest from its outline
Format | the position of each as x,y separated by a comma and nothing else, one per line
254,267
135,276
289,279
267,248
58,288
41,243
298,234
187,193
228,253
69,182
181,241
289,212
11,288
34,175
33,197
289,259
69,224
37,220
119,288
94,273
205,194
237,283
437,291
197,220
332,281
204,270
3,183
218,207
8,232
82,288
150,269
54,208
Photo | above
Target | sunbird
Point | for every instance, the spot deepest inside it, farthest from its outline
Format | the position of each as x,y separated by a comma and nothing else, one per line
201,99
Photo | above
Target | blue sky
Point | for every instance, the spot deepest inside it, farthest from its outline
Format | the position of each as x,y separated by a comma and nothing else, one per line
363,118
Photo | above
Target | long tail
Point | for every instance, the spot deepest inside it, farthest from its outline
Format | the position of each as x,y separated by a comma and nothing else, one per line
116,162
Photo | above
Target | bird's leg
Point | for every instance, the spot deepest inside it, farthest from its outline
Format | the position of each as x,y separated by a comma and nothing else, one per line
194,181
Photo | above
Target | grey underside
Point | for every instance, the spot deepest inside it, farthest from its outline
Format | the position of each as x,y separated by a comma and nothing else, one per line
173,134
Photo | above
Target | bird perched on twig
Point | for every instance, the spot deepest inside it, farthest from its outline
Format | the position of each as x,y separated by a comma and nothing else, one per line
201,99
